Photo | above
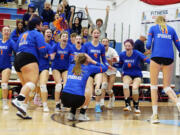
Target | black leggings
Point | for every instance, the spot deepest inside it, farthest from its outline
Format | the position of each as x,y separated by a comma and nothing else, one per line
72,101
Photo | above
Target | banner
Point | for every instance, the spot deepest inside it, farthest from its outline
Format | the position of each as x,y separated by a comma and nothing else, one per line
161,2
169,14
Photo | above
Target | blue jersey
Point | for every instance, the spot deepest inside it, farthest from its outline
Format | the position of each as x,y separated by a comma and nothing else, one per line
44,63
161,42
76,84
14,35
62,57
96,52
131,65
32,42
76,51
6,52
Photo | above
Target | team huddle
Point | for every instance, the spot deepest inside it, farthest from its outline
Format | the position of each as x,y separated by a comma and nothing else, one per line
83,69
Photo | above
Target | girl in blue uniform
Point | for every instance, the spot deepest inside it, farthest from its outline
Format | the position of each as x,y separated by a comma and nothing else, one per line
44,64
96,51
131,71
61,53
160,39
72,95
30,45
6,47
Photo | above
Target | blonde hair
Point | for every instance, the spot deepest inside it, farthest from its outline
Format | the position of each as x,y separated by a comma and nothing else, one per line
80,59
160,20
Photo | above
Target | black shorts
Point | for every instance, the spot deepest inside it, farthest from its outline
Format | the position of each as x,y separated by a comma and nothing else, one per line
23,59
162,61
71,100
62,70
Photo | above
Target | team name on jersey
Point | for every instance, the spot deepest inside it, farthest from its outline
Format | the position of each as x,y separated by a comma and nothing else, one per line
75,77
95,51
164,36
62,52
129,61
3,47
23,43
76,53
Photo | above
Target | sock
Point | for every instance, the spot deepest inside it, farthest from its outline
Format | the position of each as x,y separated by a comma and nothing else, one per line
21,97
44,103
136,104
83,111
155,109
97,103
58,102
127,101
73,111
101,102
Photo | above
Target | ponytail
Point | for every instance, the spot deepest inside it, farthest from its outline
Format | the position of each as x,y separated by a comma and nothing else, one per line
80,59
161,21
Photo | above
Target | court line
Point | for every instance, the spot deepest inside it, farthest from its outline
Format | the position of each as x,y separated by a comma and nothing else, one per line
74,126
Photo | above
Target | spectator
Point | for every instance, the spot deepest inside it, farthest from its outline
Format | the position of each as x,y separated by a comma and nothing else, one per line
54,24
99,22
0,35
85,34
20,3
45,26
19,29
26,16
66,9
39,4
47,13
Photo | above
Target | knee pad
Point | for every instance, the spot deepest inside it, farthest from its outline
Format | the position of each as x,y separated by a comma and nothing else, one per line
30,85
98,92
58,87
154,87
4,86
167,89
104,86
43,88
109,92
135,92
125,86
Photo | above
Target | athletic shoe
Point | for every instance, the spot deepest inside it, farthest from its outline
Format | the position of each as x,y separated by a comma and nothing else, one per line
5,106
137,110
45,109
98,109
83,117
25,117
19,105
71,117
155,119
58,107
178,106
127,108
111,102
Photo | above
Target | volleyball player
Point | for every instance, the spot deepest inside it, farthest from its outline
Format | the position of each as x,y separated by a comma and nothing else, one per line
60,63
160,39
30,44
109,76
73,93
6,47
96,51
131,71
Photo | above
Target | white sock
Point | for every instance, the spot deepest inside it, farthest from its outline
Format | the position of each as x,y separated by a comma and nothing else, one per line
97,103
58,102
4,101
155,109
44,103
102,102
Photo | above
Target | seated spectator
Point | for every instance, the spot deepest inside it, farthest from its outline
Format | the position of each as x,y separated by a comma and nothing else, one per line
99,22
26,16
76,26
19,29
47,13
45,26
85,33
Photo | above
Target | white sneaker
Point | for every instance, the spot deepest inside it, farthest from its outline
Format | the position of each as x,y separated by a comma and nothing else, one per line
127,108
178,106
19,114
111,102
5,107
83,117
137,110
45,109
155,119
71,117
19,105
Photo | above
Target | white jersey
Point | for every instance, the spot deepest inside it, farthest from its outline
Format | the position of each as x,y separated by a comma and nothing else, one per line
111,53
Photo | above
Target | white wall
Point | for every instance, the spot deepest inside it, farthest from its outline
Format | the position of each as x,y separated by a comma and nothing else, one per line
128,12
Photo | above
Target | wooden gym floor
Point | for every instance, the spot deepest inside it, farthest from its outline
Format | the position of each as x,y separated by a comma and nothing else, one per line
109,122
